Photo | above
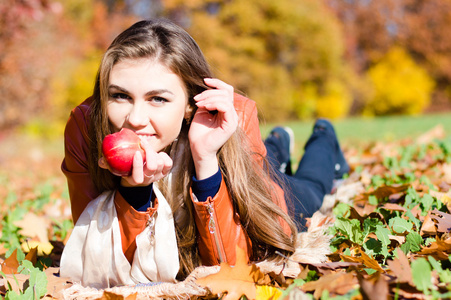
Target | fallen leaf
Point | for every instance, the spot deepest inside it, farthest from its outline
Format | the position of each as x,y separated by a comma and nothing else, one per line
325,268
428,226
42,248
393,207
363,259
113,296
11,264
32,255
266,292
55,283
443,220
385,191
374,288
400,267
17,281
34,226
337,283
440,249
234,281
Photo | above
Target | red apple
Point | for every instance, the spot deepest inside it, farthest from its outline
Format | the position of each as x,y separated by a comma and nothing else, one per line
119,148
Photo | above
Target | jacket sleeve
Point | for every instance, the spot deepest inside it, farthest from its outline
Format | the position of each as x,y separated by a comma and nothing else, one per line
219,229
75,162
218,224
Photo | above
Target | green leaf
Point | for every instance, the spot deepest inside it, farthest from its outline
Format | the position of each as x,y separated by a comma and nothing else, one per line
38,282
350,228
373,247
412,218
400,225
382,234
415,240
444,275
341,210
421,274
426,203
372,200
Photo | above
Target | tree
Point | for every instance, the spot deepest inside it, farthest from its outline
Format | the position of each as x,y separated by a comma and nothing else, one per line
24,67
421,27
400,85
267,49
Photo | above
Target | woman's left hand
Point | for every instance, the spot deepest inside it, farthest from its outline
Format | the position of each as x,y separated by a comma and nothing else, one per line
213,124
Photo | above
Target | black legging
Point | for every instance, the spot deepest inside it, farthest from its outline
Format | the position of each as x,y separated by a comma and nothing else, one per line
305,190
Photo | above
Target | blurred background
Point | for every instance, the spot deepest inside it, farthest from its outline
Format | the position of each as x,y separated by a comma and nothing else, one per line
299,59
381,70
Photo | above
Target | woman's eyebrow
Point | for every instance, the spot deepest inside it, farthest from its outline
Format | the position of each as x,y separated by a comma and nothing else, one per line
116,87
159,92
149,93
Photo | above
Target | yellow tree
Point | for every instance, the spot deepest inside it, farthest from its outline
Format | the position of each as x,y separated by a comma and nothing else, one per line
270,50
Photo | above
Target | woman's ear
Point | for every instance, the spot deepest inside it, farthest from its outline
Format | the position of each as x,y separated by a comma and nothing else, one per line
188,112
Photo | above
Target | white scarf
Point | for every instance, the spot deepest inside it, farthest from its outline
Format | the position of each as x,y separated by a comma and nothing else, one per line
93,255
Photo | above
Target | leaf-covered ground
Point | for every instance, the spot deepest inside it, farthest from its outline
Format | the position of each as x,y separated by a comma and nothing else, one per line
390,240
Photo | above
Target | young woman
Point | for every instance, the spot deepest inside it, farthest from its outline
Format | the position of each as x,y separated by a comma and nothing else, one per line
203,189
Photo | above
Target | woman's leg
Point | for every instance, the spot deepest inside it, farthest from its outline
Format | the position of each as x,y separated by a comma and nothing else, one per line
321,163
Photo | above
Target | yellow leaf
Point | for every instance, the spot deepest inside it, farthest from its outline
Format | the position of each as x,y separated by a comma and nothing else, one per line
266,292
43,248
234,281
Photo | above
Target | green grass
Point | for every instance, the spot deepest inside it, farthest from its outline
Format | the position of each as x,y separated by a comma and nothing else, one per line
359,130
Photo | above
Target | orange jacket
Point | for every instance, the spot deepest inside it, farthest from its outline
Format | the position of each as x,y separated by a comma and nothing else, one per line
218,224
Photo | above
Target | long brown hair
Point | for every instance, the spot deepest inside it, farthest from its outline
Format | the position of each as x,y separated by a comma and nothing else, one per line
248,184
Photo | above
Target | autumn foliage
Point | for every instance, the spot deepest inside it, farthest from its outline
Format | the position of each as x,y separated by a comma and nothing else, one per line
297,59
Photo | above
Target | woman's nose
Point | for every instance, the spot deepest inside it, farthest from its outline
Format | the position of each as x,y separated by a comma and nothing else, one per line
138,116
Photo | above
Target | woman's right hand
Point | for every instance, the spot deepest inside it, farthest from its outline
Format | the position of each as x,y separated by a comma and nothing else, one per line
156,167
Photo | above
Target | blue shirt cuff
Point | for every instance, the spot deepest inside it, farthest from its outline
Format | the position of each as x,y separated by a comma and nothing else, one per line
207,187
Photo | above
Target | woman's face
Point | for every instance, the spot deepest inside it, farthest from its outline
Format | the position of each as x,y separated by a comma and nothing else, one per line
148,98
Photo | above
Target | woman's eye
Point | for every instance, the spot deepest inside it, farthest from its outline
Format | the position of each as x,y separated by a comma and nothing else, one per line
159,99
120,96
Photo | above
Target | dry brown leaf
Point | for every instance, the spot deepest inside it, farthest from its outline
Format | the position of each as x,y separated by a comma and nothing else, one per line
374,288
400,268
393,207
428,226
443,220
370,262
234,281
32,255
55,283
440,249
34,226
11,264
16,281
337,283
112,296
388,190
363,259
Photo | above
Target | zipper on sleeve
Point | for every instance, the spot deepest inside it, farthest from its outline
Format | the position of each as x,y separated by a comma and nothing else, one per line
219,247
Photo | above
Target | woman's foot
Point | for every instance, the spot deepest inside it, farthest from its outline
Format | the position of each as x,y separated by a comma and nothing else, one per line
282,139
341,166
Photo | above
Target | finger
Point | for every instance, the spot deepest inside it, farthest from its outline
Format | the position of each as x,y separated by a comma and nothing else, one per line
220,88
213,93
217,83
138,166
102,163
167,163
216,105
